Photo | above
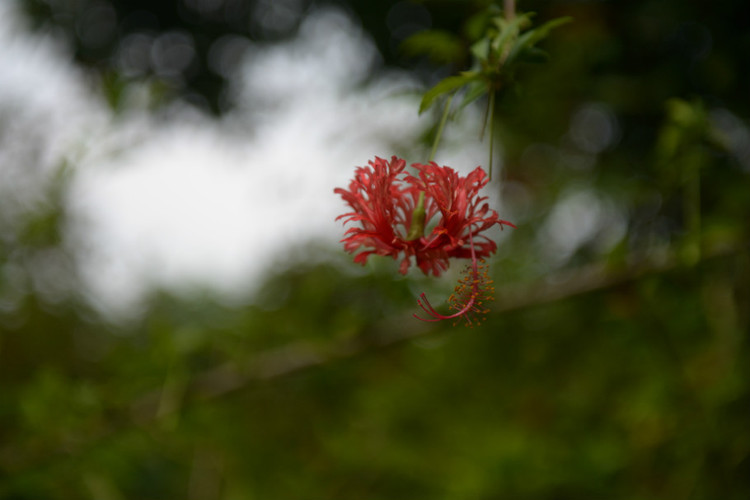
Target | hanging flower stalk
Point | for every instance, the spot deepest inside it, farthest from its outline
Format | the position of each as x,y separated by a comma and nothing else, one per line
427,218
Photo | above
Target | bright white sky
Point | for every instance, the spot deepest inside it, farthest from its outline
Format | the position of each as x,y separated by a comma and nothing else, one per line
190,200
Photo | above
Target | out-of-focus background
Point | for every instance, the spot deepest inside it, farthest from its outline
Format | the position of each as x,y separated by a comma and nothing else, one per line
178,319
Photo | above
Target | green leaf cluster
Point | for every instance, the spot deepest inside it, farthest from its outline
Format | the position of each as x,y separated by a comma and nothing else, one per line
503,45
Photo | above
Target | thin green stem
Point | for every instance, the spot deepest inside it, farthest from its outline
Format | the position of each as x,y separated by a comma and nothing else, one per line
439,133
484,121
491,118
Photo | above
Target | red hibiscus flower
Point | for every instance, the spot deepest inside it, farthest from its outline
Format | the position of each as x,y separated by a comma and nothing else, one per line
391,210
393,207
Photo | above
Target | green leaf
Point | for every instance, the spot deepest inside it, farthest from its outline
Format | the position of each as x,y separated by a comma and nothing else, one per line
444,86
532,37
476,90
509,31
481,49
476,26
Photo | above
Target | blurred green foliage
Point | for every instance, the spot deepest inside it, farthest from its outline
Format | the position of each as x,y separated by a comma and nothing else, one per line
614,364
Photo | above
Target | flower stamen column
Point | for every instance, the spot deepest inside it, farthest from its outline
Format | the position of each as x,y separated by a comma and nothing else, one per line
469,296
